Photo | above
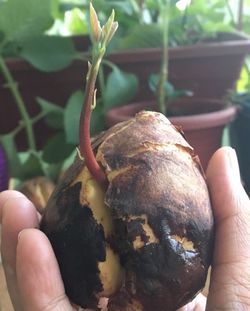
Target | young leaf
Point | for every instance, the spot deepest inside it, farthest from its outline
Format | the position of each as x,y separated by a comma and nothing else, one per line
49,53
24,19
57,150
109,29
95,24
72,117
121,88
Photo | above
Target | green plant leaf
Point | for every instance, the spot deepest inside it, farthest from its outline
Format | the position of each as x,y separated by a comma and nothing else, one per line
53,114
47,106
14,163
57,149
49,53
24,19
32,166
53,170
77,22
142,36
120,89
72,117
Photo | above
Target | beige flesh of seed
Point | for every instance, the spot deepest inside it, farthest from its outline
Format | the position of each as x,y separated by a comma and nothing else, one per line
151,146
111,272
186,244
138,242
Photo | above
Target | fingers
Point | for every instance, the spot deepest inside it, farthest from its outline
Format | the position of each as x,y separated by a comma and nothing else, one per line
38,275
198,304
230,279
17,213
5,196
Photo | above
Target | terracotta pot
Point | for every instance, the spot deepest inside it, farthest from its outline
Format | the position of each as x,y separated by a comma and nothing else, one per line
208,69
203,123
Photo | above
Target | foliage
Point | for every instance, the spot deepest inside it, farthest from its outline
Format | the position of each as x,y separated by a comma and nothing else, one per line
23,33
187,25
32,29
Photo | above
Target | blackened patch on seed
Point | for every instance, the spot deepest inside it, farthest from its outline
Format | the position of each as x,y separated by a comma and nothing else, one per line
79,244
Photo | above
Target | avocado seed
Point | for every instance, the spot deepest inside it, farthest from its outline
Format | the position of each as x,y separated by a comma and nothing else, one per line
145,242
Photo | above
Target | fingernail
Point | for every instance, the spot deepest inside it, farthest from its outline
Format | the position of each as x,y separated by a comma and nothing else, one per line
233,162
19,234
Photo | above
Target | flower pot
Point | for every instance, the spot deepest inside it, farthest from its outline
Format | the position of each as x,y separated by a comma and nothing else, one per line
208,69
203,122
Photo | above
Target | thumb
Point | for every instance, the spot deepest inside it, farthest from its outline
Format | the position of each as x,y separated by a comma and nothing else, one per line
230,278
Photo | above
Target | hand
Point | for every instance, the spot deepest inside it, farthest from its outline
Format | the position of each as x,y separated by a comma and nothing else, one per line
31,269
230,277
29,260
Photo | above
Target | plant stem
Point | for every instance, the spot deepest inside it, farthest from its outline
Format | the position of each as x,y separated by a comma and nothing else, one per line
20,103
101,80
85,140
229,9
240,15
161,94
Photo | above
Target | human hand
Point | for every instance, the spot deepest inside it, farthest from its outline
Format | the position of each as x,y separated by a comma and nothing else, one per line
33,275
230,274
31,269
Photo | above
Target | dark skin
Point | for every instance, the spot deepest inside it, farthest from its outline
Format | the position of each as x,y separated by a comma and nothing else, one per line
32,271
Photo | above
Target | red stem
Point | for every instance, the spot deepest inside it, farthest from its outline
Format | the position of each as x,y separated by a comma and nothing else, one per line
85,141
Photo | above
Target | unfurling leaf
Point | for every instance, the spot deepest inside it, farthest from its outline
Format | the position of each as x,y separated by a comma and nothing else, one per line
95,24
109,29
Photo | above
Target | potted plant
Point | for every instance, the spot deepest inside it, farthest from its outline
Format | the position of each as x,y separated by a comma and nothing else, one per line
35,65
32,57
37,136
199,115
203,45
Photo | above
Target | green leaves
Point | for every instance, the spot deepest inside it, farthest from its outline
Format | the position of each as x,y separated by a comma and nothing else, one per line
24,19
57,149
76,22
170,91
120,89
32,166
72,117
53,114
49,53
142,36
